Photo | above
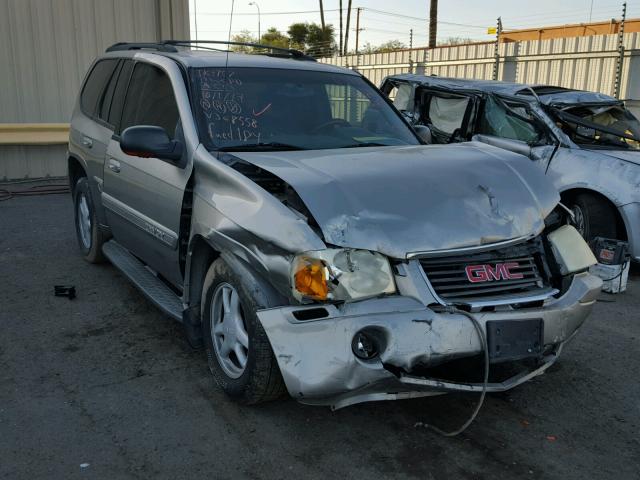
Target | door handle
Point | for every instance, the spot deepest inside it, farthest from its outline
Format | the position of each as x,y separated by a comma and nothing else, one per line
113,165
87,142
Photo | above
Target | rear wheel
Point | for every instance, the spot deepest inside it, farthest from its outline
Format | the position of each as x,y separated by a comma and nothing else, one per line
238,351
90,238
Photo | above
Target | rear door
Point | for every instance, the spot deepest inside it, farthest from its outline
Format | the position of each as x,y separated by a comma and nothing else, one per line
90,130
143,196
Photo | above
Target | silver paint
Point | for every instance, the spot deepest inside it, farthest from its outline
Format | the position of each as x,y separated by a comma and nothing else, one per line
400,201
318,367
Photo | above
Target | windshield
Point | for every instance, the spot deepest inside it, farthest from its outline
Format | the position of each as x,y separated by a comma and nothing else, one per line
604,126
275,109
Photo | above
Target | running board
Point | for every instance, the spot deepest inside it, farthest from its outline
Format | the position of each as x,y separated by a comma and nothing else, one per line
151,286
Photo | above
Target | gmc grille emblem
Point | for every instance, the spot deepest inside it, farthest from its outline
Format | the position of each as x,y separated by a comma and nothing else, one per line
489,273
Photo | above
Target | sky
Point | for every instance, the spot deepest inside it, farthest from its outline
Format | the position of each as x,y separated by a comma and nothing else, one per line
384,20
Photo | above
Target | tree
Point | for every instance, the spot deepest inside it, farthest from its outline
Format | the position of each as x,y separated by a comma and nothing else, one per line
243,37
275,38
321,42
298,33
390,46
367,48
456,41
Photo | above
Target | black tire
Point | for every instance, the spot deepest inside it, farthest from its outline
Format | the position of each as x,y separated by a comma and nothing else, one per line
90,246
594,217
261,380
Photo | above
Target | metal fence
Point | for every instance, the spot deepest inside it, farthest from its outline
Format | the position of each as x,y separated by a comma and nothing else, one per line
586,63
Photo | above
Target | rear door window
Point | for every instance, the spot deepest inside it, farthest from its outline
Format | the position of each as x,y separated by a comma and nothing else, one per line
95,85
447,113
150,100
115,112
104,102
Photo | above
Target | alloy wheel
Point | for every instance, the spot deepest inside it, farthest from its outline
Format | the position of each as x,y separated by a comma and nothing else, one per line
228,331
84,221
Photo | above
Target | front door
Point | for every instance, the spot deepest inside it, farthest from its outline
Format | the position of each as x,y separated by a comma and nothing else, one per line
143,196
511,124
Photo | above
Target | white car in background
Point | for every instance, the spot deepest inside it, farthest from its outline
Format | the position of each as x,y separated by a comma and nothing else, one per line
587,142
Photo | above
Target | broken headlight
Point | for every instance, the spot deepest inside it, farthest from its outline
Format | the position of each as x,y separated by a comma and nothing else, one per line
341,274
570,250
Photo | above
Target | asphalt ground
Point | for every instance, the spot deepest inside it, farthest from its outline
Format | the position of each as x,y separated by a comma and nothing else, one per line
105,386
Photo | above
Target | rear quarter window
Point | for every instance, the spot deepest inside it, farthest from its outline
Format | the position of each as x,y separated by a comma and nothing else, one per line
95,85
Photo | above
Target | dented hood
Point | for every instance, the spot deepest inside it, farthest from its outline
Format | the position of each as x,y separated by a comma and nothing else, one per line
406,199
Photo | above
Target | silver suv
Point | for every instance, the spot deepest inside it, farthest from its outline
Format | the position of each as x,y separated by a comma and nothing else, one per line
286,214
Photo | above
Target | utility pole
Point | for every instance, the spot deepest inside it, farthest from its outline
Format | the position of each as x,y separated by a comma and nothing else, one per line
496,51
433,23
346,31
620,52
322,15
357,29
340,50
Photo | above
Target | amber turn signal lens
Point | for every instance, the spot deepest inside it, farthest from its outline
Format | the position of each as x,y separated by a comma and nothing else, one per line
310,279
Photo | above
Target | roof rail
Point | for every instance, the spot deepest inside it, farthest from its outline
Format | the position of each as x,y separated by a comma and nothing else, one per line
124,46
275,51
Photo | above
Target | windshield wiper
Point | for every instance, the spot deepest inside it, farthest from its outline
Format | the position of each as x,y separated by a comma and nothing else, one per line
260,147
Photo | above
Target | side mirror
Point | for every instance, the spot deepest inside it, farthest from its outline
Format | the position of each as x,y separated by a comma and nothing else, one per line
423,132
147,141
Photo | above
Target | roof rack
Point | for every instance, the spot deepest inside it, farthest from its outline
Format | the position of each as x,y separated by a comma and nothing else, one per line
170,46
124,46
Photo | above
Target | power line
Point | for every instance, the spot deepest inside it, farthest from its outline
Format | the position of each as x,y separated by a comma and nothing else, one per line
266,13
392,14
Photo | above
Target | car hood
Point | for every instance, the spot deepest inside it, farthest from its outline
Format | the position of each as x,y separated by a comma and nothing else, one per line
626,155
408,199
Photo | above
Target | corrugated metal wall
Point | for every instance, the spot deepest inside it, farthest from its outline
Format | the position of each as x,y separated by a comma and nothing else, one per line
46,47
587,63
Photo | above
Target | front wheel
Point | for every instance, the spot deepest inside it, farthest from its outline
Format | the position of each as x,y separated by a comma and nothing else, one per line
238,351
90,238
593,217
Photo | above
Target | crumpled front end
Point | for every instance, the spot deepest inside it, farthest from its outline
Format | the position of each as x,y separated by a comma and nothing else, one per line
316,346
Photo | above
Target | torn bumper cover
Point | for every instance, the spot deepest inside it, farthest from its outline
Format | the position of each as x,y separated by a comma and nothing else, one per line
319,366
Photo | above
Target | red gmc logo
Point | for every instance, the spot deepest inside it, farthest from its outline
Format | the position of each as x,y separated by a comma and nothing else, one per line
489,273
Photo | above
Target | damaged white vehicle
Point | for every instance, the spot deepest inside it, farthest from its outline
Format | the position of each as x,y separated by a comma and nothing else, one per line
587,143
298,227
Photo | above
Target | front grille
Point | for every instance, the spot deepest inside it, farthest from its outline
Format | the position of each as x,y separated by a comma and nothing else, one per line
494,272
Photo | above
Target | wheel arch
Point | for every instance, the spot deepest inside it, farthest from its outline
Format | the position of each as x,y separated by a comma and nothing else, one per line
201,254
75,170
566,196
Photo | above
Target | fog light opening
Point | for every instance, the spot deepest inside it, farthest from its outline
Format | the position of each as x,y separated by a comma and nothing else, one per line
365,346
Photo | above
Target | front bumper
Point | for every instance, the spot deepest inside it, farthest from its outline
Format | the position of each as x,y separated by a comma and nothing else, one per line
631,216
319,367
